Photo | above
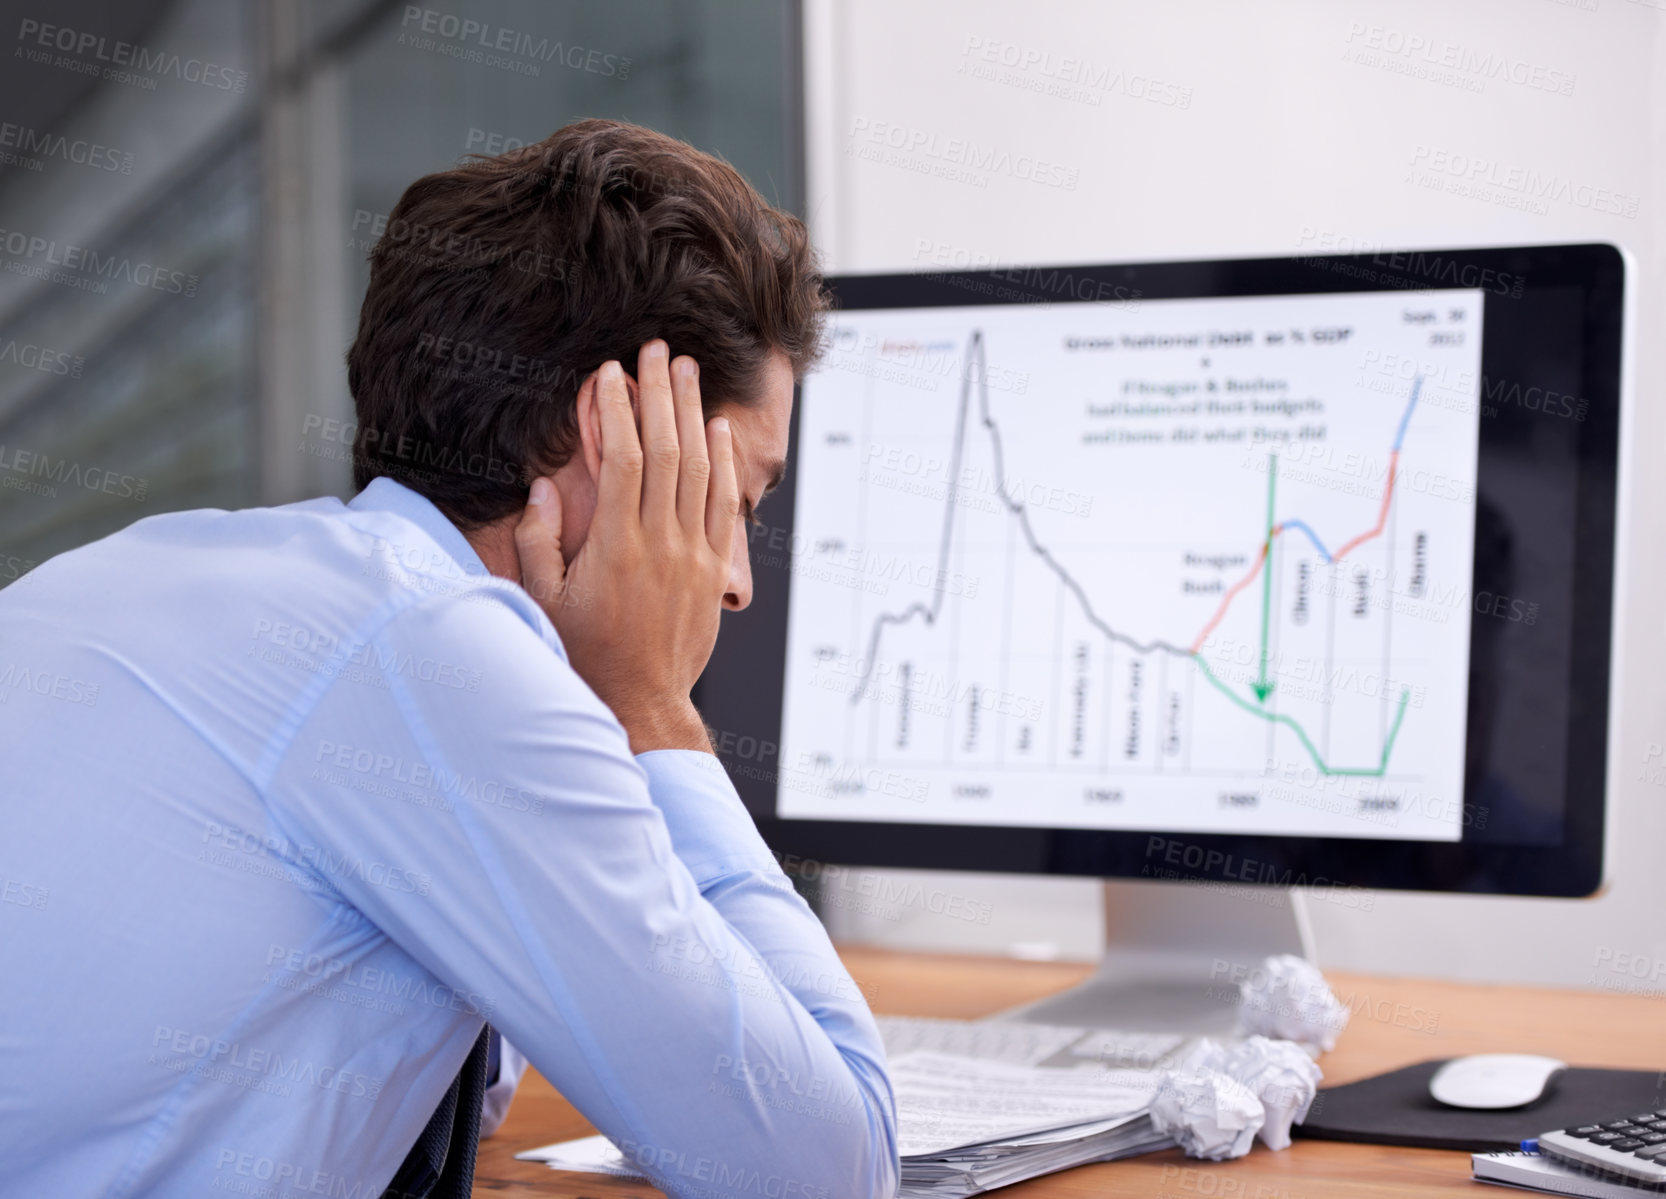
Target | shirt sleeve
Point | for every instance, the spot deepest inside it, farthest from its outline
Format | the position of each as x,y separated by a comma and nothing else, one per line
631,931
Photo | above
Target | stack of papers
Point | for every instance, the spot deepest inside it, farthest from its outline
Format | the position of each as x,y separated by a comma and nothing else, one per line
1026,1044
967,1125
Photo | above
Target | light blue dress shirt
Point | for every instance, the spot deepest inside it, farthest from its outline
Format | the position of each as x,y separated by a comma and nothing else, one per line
292,799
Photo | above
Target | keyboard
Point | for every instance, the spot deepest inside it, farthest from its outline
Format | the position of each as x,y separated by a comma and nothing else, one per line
1632,1146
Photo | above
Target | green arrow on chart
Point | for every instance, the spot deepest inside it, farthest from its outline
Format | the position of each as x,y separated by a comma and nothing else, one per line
1264,686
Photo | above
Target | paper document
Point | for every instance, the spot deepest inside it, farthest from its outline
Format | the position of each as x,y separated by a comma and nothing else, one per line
1134,1050
1016,1041
1532,1172
591,1155
946,1102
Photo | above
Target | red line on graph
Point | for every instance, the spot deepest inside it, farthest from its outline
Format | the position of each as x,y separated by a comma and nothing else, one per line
1382,513
1232,592
1255,569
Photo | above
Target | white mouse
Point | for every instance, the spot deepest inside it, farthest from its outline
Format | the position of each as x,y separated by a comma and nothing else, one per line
1494,1080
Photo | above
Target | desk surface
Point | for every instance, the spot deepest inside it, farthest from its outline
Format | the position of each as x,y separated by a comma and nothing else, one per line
1396,1022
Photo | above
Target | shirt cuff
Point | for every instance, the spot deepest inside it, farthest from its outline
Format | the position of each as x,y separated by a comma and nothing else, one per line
711,830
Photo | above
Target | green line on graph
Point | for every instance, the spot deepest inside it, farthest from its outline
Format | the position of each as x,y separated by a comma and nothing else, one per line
1278,718
1262,686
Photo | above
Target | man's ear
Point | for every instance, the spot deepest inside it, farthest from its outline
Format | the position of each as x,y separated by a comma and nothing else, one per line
590,429
590,423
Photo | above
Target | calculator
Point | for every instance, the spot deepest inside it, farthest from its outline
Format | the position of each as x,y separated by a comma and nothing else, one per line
1632,1146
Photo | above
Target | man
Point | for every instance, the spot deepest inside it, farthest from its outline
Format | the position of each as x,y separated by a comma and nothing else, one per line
297,799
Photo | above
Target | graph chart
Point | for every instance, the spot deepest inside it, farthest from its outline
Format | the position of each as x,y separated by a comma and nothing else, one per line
1203,564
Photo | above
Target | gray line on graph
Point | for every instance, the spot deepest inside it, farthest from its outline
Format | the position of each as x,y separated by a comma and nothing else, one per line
930,612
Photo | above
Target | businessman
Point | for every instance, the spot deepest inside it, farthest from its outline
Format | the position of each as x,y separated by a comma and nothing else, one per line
305,807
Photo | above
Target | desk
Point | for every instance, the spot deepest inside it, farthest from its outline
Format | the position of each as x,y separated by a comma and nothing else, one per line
1391,1027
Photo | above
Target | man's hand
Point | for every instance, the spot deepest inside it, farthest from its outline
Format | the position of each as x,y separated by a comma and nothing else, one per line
638,606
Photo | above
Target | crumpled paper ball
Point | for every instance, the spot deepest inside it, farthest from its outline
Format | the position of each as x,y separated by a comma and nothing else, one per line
1207,1113
1288,999
1279,1073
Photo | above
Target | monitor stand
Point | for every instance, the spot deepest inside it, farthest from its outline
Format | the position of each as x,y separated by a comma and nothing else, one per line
1174,955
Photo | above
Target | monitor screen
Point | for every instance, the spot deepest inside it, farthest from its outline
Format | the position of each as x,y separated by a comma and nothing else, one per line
1304,563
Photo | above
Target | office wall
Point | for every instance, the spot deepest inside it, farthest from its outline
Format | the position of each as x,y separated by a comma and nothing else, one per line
1222,128
191,353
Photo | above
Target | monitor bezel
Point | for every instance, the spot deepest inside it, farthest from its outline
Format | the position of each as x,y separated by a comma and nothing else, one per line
742,690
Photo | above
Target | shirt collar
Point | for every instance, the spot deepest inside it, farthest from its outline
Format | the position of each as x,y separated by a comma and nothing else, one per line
390,495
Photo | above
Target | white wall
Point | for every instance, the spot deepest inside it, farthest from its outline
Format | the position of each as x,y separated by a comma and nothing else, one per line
1274,130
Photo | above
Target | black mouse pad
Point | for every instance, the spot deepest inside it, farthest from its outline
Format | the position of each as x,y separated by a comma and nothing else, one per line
1397,1109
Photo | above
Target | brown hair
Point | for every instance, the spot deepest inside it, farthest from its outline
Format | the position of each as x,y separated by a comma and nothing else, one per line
497,287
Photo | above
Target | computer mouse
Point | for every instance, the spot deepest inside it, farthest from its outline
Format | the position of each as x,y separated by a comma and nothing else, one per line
1494,1080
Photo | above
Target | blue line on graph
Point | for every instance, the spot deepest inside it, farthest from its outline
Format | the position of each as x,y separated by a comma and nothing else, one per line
1302,526
1399,436
1405,419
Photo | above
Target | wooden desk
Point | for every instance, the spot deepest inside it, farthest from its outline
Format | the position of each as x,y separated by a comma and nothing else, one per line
1396,1022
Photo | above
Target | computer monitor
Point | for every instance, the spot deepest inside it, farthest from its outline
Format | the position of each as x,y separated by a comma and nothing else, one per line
1270,572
